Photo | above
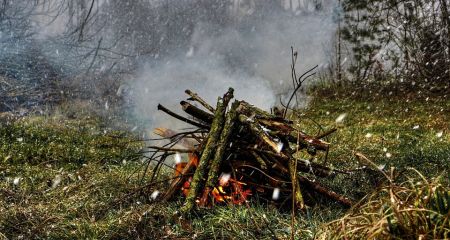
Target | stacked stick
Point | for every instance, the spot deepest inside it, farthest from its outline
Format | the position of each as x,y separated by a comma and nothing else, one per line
262,151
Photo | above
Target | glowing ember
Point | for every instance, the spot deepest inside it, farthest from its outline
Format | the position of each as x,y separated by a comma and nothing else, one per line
179,168
186,186
217,196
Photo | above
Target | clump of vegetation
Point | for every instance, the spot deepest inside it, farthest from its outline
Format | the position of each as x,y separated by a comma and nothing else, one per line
41,140
65,178
415,209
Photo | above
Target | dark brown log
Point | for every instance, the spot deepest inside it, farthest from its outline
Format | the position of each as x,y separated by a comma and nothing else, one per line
197,112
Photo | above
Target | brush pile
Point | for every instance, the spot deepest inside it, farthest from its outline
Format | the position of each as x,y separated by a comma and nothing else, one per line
241,151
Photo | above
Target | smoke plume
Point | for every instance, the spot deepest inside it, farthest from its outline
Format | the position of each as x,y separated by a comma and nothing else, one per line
252,55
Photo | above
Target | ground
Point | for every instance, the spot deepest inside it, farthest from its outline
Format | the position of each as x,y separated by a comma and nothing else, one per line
67,177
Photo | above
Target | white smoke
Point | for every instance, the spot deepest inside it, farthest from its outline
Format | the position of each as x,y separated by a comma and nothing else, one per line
255,60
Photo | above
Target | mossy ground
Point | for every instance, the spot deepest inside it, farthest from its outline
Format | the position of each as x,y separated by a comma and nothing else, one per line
64,178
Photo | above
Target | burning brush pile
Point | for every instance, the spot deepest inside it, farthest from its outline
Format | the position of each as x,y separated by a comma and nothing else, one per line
240,152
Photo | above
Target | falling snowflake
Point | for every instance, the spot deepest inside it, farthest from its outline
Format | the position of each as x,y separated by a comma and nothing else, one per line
439,134
276,194
368,135
56,181
416,127
177,158
224,178
16,180
341,118
279,147
190,53
154,194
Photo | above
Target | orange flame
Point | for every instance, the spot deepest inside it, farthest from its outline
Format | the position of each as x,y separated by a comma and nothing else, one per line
231,191
228,190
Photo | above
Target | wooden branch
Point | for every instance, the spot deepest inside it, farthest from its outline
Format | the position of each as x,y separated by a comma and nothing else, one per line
302,165
197,112
251,111
216,163
323,191
297,196
164,109
260,133
195,97
278,126
260,160
201,172
306,140
178,182
326,133
178,150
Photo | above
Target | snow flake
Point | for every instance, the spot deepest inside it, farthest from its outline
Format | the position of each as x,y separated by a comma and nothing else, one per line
177,158
224,178
276,194
190,52
154,194
16,180
279,147
341,118
56,181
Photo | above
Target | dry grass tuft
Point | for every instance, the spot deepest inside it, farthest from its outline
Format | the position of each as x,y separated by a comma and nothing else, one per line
414,209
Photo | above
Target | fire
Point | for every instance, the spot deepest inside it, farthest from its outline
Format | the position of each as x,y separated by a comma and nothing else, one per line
179,168
232,192
228,189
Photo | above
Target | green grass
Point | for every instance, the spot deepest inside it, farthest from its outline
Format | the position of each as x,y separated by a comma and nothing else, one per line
75,178
64,178
417,208
390,132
